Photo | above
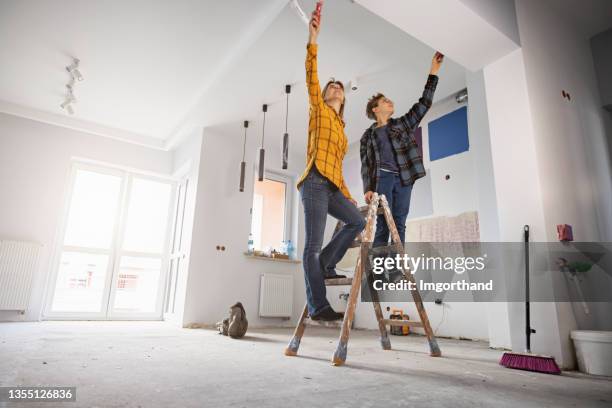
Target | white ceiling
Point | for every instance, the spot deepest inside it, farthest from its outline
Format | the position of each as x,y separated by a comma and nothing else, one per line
154,67
353,44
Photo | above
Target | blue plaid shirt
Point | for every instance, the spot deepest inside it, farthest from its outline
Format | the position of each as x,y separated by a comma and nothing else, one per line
401,133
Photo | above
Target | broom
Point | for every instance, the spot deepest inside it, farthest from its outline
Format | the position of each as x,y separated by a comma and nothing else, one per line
528,361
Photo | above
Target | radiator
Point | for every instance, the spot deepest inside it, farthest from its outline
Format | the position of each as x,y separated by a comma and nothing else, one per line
276,295
18,263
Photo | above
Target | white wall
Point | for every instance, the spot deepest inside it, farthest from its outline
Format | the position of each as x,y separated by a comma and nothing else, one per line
550,163
570,136
35,162
217,279
601,44
518,196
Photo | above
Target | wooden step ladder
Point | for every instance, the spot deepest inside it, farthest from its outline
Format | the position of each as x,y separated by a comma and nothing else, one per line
364,241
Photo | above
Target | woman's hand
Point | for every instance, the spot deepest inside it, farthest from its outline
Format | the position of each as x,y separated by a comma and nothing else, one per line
368,196
314,27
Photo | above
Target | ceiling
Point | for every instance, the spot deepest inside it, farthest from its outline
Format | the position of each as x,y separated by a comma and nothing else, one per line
155,68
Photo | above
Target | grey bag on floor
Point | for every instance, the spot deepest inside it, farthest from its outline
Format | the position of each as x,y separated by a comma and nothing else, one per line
236,324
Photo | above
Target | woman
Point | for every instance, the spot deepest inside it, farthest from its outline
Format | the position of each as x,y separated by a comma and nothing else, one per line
322,187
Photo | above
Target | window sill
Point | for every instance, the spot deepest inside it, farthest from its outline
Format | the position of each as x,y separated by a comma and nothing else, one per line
267,258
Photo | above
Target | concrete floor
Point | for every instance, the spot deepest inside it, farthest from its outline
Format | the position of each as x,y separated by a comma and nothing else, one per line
136,364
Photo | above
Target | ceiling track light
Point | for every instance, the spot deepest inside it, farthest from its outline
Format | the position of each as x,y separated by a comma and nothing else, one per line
75,75
73,69
462,96
69,100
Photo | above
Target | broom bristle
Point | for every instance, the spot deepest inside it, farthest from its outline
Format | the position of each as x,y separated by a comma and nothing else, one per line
530,362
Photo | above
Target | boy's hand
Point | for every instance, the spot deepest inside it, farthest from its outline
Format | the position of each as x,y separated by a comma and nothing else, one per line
368,196
436,62
314,27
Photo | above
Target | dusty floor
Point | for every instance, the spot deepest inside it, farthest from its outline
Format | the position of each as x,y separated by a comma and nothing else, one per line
136,364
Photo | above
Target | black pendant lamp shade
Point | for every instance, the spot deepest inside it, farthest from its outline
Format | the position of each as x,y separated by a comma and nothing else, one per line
243,163
262,152
286,135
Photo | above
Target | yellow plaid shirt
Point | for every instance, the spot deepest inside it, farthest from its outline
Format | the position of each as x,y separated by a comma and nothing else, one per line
327,143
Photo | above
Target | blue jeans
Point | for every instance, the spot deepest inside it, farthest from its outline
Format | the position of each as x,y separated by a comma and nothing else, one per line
320,197
398,197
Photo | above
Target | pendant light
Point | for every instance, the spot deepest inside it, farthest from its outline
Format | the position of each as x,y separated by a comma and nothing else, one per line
243,163
286,135
262,152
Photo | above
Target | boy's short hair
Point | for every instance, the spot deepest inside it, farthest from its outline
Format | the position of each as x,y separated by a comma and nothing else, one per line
373,103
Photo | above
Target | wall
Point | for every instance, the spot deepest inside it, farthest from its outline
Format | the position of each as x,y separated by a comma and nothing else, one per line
601,47
570,135
34,168
217,279
573,162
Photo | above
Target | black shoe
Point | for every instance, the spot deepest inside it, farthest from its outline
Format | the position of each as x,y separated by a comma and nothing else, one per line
336,276
331,274
327,315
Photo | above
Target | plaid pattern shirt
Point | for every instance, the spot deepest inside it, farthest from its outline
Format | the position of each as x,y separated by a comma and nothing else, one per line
327,143
405,148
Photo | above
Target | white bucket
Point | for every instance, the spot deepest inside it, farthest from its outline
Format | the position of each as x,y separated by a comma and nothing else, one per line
593,351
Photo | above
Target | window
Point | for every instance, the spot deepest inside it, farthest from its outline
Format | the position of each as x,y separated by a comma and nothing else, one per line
271,212
110,262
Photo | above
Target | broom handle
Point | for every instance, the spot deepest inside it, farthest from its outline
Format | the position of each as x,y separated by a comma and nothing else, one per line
527,316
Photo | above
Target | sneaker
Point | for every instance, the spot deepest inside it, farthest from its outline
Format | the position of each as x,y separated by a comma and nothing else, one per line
327,315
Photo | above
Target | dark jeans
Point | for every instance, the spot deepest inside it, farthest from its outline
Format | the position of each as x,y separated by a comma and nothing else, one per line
320,197
398,197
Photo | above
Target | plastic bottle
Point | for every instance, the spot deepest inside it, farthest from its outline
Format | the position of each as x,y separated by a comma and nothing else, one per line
250,248
290,249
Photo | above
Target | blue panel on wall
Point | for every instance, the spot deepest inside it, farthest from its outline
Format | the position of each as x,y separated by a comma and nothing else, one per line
448,135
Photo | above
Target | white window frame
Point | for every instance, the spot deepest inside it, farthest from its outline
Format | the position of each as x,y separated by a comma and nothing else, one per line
289,191
115,252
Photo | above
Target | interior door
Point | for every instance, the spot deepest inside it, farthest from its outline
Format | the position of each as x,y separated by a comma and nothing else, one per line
177,260
141,257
